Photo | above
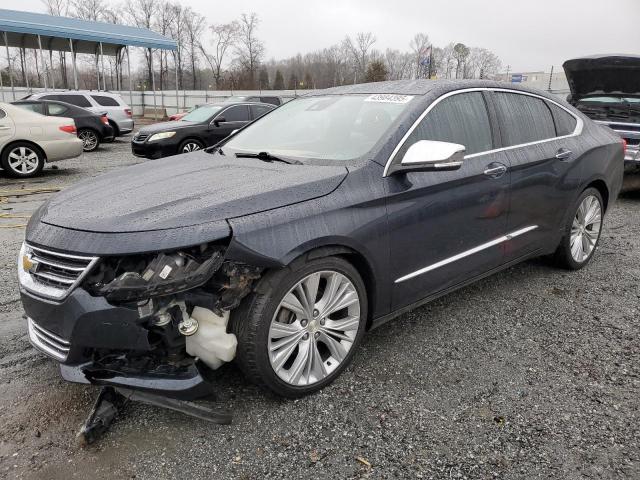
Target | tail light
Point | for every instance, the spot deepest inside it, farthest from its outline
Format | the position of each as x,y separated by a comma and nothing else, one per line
68,129
104,119
128,112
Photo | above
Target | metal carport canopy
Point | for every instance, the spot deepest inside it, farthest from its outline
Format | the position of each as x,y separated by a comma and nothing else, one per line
22,30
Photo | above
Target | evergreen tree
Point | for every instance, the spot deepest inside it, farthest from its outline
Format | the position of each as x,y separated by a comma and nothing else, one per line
376,72
278,83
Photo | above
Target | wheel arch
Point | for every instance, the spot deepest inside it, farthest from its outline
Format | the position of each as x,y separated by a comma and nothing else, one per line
352,255
601,186
30,142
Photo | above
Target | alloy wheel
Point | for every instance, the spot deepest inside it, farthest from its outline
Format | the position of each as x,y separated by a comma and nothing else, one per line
23,160
585,229
89,140
190,147
314,327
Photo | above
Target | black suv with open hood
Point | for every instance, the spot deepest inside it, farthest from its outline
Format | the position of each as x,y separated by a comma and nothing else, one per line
606,88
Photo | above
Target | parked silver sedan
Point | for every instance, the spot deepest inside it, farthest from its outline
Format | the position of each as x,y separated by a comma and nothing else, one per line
28,140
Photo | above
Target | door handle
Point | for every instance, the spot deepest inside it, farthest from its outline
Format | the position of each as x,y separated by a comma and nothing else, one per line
495,170
4,127
563,154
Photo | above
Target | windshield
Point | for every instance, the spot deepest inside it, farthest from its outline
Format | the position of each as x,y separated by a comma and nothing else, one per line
201,114
339,128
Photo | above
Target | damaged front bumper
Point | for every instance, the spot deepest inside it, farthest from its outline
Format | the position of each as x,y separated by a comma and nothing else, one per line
104,330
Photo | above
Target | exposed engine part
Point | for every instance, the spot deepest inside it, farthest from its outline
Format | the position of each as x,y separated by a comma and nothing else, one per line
188,327
111,401
210,342
163,319
234,281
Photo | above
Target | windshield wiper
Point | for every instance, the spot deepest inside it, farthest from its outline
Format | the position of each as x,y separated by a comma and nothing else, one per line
267,157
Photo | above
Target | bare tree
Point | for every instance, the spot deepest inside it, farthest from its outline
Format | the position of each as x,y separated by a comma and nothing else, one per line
481,63
250,49
61,8
360,51
419,46
195,25
93,10
177,32
460,53
142,14
224,38
399,65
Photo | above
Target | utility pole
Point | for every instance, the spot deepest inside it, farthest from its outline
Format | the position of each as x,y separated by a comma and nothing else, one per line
550,78
508,68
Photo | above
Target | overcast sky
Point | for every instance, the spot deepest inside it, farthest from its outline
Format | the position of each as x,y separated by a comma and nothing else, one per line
527,35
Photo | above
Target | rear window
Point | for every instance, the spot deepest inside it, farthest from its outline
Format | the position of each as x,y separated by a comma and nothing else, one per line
523,119
57,109
105,101
565,123
461,118
77,100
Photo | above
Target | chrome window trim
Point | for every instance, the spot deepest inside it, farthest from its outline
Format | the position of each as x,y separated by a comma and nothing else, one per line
576,131
466,253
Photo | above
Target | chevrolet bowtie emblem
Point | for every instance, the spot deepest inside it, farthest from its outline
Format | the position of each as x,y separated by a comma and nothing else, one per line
29,265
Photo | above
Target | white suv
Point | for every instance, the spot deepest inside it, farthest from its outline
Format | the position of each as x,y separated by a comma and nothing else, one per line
119,113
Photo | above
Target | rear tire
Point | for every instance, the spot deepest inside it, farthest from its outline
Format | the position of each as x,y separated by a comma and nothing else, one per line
582,232
22,160
293,349
90,139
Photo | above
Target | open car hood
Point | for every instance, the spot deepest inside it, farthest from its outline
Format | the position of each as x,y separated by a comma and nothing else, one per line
186,190
606,74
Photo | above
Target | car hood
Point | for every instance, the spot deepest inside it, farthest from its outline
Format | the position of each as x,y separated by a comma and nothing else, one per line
166,126
603,74
186,190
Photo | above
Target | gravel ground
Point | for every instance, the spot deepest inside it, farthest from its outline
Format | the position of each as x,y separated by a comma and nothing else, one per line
532,373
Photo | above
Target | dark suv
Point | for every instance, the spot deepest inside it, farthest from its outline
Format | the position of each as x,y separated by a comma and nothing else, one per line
324,219
198,129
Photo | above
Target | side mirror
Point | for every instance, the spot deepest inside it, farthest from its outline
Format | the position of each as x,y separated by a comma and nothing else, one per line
218,121
430,156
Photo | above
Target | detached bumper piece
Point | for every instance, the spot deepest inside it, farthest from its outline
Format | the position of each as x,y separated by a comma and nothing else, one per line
112,400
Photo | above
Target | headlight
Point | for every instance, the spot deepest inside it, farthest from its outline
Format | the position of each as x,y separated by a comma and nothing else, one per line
161,136
140,277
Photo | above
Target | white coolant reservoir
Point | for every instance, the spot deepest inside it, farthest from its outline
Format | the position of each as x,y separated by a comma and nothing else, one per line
211,343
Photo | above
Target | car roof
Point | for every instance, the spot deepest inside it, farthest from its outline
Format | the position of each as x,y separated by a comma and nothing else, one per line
226,104
76,92
418,87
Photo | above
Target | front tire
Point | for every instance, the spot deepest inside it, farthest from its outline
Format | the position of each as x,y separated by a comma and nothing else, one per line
301,326
22,160
190,145
582,232
90,139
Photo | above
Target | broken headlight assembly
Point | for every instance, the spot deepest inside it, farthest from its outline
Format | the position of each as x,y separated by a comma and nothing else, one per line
139,277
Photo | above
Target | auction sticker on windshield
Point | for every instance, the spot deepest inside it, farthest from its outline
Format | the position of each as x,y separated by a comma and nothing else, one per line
388,98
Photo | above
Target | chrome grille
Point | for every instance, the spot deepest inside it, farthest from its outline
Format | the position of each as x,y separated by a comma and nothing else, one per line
51,274
47,342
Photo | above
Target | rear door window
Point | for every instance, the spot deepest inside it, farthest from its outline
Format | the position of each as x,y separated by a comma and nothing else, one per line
565,122
105,101
460,118
34,107
258,110
77,100
523,118
239,113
